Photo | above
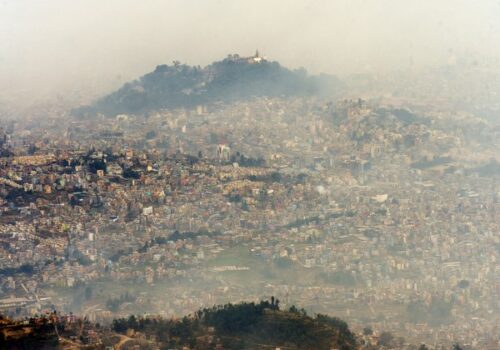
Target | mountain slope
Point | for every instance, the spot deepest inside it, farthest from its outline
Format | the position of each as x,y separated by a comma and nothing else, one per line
232,79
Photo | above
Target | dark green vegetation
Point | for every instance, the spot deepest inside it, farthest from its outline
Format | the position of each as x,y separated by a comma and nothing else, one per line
229,80
490,169
429,163
113,304
245,326
175,236
14,271
436,313
32,335
241,326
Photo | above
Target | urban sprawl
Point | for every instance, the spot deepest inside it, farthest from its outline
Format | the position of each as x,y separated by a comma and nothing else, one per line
384,215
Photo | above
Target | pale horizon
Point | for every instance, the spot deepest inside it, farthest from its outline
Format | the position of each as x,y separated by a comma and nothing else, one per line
88,48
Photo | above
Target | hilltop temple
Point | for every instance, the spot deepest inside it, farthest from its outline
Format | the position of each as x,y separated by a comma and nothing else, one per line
257,58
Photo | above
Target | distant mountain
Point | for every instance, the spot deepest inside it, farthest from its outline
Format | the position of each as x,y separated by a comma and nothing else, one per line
234,78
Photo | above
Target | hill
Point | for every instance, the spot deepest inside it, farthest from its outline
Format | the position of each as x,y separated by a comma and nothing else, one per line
242,326
20,335
232,326
231,79
245,326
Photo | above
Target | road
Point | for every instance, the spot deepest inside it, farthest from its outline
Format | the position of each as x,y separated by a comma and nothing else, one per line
123,340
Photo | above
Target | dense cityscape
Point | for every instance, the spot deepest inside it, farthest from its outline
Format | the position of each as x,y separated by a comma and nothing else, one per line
382,215
264,175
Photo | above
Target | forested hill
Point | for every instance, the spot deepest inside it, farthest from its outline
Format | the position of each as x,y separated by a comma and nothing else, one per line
245,326
234,78
241,326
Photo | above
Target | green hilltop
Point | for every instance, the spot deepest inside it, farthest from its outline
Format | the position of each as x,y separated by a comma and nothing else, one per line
245,326
232,79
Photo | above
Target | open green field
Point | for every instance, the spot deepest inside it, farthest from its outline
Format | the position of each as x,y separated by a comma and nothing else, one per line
282,271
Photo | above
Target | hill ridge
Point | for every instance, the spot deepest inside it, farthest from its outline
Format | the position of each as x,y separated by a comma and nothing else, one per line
232,79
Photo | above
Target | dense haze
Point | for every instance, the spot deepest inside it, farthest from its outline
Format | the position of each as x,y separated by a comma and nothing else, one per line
79,50
338,188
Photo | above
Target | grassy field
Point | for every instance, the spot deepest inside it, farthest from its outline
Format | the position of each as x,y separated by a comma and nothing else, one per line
237,256
261,270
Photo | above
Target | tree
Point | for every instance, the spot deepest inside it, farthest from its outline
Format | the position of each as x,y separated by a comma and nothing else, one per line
88,293
150,135
132,322
293,309
129,173
96,164
27,269
386,339
368,330
245,206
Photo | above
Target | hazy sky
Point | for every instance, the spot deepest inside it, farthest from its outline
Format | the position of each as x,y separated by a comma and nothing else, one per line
58,46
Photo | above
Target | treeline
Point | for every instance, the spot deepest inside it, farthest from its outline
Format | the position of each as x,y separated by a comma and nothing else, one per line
245,161
317,219
175,236
244,326
14,271
425,163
